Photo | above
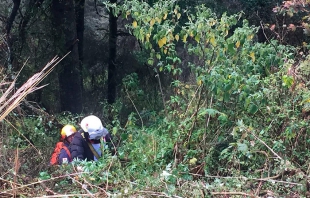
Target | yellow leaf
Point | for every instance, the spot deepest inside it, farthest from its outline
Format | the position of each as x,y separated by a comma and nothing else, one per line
127,13
162,42
249,37
152,22
134,24
192,161
147,37
226,32
199,26
175,11
178,15
252,55
158,20
165,16
130,137
177,37
237,44
184,38
165,51
197,38
199,82
171,37
212,41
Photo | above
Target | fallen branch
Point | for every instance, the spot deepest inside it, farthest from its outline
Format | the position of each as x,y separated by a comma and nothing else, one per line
233,193
67,195
39,182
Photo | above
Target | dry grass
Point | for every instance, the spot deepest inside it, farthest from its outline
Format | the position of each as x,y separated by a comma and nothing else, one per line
9,101
18,166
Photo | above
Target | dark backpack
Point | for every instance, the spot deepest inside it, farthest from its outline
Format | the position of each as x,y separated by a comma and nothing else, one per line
55,155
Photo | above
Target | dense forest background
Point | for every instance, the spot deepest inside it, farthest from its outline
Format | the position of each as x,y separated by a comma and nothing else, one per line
203,98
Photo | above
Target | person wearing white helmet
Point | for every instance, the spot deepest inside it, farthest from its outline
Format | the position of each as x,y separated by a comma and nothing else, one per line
92,132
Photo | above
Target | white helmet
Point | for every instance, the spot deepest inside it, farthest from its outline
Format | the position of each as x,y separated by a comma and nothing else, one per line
93,126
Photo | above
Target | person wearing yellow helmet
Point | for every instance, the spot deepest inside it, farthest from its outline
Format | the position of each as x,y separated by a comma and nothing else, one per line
61,152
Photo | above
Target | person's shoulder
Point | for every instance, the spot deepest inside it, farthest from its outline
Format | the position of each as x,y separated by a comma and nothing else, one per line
58,144
81,136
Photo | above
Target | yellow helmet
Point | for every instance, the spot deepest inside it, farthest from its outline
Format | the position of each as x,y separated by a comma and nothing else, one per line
67,130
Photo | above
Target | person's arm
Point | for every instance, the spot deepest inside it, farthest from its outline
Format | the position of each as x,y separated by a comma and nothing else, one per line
77,147
108,137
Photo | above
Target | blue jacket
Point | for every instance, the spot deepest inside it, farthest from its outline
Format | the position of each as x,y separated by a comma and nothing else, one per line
63,155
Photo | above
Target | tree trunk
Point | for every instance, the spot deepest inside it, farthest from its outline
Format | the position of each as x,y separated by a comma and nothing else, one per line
79,12
112,55
66,40
32,10
8,27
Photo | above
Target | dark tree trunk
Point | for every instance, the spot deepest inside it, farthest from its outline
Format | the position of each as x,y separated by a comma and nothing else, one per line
112,55
8,27
79,12
66,39
11,19
32,10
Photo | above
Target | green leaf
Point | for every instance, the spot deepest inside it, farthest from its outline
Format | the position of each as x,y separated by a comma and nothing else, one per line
242,147
253,108
150,61
158,56
223,118
231,48
124,136
287,80
211,112
226,96
228,87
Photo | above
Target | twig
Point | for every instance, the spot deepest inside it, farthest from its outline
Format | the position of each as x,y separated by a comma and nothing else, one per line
24,137
207,124
266,145
233,193
154,193
9,182
83,187
48,189
161,91
135,107
188,106
195,114
106,188
38,182
67,195
16,162
267,179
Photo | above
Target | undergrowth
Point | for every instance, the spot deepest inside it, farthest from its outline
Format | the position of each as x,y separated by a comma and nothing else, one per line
239,128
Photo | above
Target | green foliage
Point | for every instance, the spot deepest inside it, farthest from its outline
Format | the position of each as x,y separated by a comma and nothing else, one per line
239,124
41,131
